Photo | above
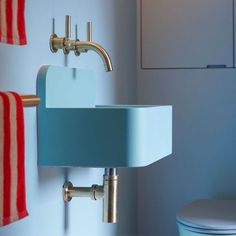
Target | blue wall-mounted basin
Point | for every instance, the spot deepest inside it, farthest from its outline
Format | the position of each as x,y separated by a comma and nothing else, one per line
97,136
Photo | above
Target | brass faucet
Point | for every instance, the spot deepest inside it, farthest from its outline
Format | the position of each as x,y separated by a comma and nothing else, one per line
67,44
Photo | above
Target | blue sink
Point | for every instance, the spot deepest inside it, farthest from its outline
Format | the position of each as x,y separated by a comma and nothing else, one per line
81,134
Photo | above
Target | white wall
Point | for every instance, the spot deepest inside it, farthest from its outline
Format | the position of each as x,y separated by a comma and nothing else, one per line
114,28
204,143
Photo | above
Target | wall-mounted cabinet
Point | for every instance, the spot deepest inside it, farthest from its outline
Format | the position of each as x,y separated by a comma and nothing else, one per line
186,33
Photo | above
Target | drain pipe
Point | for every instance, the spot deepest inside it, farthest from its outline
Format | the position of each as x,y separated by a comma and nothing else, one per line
110,184
107,192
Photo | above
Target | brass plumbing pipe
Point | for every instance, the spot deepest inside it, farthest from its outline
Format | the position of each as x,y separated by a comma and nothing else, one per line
30,100
110,185
107,192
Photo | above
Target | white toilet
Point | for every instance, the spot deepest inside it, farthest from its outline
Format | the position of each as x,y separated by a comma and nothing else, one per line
207,218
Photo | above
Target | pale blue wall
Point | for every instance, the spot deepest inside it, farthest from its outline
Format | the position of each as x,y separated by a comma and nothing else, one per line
204,144
114,28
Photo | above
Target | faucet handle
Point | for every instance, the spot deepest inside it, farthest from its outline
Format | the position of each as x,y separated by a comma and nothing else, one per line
77,52
89,31
66,39
68,26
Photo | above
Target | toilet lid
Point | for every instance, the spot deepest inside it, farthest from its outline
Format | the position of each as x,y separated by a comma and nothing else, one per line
209,215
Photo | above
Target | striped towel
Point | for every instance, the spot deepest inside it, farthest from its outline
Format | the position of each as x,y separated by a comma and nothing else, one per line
12,173
12,22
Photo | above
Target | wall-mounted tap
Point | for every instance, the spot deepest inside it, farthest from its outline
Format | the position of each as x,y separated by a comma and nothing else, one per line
67,44
107,192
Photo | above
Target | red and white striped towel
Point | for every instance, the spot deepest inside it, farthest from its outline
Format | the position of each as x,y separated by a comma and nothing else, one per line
12,22
12,167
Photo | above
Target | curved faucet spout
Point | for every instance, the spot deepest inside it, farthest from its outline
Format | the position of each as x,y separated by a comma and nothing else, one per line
81,46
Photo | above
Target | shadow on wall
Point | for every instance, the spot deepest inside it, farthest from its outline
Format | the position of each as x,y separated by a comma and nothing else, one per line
204,135
124,13
47,176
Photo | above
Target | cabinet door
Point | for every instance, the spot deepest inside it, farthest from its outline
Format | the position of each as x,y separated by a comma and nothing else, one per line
187,33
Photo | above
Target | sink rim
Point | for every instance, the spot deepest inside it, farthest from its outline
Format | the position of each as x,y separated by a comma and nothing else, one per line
113,107
127,106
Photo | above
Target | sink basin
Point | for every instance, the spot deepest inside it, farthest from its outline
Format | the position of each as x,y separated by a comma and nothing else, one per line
97,136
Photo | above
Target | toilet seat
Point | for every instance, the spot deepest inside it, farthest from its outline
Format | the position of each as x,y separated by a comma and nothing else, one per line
209,216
